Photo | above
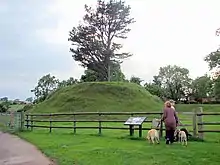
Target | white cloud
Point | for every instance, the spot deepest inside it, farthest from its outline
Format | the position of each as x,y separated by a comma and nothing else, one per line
166,32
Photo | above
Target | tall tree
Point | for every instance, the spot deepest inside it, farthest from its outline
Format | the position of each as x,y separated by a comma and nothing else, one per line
115,74
213,59
45,86
89,76
175,80
216,88
202,87
93,42
155,88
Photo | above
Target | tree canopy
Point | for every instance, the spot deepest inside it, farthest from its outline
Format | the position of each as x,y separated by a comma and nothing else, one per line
45,85
175,80
93,41
202,87
136,80
213,59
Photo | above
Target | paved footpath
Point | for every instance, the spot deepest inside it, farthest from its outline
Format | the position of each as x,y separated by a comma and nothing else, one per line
15,151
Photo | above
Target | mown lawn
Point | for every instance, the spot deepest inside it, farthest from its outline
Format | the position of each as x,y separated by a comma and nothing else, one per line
115,147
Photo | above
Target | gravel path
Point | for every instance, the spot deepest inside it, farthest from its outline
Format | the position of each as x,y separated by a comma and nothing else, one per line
15,151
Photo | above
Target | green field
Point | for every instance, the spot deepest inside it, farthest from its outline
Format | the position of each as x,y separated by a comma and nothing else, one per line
86,147
14,107
206,107
115,147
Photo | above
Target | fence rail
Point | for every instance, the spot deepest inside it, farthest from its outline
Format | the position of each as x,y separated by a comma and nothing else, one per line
33,121
30,121
96,113
209,123
111,121
86,127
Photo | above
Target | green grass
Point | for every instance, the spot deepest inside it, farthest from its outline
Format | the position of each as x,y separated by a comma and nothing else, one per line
115,147
206,107
100,96
16,107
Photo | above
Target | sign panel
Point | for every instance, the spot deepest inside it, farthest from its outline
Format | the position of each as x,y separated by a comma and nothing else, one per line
135,121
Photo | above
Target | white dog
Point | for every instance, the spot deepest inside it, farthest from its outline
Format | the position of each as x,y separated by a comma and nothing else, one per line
181,136
153,136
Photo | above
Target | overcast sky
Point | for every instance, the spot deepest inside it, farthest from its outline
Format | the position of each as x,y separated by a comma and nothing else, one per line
34,33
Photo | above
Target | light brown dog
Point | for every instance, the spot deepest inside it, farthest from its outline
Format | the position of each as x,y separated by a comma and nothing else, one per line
183,138
153,136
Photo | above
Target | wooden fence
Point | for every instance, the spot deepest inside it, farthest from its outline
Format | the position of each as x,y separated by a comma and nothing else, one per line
30,121
196,117
200,123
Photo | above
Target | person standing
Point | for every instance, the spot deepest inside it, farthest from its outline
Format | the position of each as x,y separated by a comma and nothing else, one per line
171,120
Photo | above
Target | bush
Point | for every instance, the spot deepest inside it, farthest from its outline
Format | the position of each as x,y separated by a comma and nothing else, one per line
4,106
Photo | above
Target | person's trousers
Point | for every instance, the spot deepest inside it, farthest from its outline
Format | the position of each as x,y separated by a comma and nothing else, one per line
170,136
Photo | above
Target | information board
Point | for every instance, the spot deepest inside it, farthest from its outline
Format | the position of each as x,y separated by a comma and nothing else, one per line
135,121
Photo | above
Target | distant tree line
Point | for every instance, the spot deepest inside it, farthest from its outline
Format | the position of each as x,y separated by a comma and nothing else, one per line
6,104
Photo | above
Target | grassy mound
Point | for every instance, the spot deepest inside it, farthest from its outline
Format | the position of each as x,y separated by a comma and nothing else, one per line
100,96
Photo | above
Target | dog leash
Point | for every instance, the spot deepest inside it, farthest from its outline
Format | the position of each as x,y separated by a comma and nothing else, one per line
158,124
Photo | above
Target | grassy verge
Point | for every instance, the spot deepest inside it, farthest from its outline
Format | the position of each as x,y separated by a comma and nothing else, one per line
116,147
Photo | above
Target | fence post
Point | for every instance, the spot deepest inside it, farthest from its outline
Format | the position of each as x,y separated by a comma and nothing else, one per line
12,122
32,123
161,127
194,122
74,123
131,127
100,124
200,120
22,120
140,131
50,122
27,121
